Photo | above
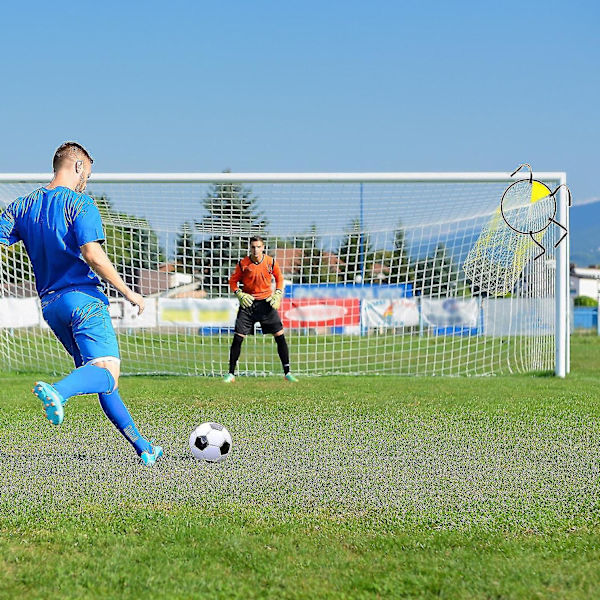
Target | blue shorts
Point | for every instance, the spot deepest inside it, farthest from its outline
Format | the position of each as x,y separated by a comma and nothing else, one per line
80,320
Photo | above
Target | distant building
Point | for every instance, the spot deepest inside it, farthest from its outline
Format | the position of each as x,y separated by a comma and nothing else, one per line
150,281
290,262
187,293
379,272
585,282
166,281
24,289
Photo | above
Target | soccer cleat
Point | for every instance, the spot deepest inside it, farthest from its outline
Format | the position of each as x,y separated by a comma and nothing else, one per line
52,402
289,377
229,378
149,458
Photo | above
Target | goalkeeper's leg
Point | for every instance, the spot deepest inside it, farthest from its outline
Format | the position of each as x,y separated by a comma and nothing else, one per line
244,324
283,351
235,351
284,355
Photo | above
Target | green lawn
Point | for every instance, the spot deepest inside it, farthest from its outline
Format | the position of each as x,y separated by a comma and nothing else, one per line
184,352
337,487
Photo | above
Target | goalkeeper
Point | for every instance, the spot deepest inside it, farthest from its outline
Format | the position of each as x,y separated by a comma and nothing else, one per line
258,304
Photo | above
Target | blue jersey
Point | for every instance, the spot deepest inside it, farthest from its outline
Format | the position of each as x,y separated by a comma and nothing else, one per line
53,224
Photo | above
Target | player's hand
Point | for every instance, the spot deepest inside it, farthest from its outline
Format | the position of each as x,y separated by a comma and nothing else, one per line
136,300
275,299
246,300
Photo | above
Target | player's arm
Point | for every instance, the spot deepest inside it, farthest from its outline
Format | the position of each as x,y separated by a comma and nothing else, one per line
8,233
275,298
96,258
8,228
87,226
245,300
235,278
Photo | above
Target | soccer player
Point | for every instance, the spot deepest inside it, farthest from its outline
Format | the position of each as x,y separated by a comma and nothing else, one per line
258,304
61,229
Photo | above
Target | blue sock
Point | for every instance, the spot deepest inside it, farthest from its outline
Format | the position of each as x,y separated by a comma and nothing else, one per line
88,379
117,412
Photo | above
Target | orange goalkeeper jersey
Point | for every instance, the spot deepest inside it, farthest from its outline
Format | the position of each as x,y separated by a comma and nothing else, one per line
256,278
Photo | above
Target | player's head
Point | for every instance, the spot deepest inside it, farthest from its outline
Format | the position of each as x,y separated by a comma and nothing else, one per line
257,248
74,163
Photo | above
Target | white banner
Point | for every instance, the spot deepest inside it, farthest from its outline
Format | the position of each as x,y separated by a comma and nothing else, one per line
194,312
20,312
389,313
518,316
26,312
123,314
450,312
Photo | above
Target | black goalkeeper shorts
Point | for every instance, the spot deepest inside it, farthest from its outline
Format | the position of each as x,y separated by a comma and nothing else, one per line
260,312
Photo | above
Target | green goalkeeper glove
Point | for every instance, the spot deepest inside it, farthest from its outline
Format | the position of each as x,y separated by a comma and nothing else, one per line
246,300
275,299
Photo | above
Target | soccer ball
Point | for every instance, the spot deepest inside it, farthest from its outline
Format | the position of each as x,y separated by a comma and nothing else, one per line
210,442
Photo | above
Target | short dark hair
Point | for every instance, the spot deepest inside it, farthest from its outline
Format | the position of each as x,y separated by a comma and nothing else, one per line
69,150
257,238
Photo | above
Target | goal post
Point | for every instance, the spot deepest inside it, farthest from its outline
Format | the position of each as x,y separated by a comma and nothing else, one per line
373,264
563,304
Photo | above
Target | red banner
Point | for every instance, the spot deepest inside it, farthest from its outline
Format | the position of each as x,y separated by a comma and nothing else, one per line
320,312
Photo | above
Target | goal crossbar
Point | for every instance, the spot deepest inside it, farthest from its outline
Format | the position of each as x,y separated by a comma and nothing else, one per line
417,177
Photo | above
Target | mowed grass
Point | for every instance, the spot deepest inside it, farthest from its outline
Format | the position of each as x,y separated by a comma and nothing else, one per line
337,487
148,352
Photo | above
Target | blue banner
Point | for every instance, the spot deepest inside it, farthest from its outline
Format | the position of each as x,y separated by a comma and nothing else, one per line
368,291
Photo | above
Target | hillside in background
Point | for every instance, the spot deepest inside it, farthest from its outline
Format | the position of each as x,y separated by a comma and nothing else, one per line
585,234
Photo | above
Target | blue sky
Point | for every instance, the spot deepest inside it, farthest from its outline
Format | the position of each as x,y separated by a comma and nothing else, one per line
305,86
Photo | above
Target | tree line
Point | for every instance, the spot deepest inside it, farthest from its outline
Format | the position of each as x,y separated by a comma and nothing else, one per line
131,244
208,249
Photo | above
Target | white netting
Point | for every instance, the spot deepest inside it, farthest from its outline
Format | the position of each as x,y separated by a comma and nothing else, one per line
374,272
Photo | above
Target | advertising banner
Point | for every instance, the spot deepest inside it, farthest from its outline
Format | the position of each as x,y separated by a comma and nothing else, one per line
389,313
20,312
518,316
322,312
450,312
363,292
123,314
194,312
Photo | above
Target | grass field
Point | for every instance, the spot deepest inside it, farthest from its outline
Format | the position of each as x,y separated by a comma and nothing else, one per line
147,352
337,487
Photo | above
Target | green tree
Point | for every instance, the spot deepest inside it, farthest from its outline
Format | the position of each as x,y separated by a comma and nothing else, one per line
232,218
585,301
15,267
399,263
353,253
188,252
14,264
377,267
131,243
315,267
436,275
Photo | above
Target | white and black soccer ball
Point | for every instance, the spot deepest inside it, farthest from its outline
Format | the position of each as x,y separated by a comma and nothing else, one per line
210,442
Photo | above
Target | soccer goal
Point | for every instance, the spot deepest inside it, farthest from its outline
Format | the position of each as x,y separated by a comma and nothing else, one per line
374,264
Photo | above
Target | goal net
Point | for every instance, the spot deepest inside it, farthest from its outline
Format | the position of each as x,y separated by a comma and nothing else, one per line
374,268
